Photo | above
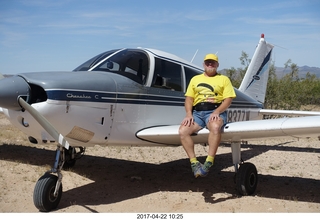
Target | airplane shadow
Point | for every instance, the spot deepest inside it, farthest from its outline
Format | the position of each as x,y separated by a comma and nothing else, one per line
117,180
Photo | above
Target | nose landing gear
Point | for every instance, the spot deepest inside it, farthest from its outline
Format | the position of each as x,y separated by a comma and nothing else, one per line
48,189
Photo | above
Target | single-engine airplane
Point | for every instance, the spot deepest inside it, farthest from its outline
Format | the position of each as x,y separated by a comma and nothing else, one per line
135,97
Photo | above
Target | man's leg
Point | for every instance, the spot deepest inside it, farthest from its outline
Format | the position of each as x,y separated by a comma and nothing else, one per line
214,136
188,145
213,141
186,140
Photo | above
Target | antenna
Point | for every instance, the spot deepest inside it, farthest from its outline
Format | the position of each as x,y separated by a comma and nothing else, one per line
280,46
194,56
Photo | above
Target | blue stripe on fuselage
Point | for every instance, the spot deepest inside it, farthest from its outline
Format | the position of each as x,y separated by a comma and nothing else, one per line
111,97
130,98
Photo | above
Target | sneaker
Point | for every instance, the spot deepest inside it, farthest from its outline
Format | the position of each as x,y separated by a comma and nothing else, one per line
205,168
196,169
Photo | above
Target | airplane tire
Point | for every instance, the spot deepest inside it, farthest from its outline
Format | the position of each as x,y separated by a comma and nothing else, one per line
247,179
43,197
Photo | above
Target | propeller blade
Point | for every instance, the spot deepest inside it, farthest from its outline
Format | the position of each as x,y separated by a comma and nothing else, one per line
44,123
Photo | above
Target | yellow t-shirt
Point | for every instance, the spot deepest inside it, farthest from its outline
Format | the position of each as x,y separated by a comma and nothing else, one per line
210,89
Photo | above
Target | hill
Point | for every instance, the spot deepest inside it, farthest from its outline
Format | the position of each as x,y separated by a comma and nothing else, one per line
303,70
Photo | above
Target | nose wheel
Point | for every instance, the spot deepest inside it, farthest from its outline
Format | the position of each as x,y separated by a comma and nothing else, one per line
44,197
48,190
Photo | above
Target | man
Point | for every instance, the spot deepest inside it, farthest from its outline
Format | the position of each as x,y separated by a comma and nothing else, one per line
208,96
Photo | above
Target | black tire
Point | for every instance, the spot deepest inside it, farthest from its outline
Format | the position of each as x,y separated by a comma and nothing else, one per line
43,197
247,179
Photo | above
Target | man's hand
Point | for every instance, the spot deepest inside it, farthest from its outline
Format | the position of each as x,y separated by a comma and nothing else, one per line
214,116
187,121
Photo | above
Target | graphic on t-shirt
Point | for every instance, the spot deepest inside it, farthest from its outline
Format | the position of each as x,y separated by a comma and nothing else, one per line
206,91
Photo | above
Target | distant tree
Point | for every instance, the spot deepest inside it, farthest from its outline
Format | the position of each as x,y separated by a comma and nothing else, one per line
236,75
245,61
272,95
294,69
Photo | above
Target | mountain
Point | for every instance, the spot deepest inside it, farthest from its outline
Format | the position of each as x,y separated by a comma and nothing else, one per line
303,70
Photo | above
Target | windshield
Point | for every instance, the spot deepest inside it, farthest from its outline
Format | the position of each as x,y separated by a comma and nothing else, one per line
93,61
133,64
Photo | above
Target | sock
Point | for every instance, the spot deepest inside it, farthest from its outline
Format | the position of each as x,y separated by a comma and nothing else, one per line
210,159
193,160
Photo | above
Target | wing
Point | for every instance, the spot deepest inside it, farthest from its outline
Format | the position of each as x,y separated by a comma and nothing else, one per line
298,127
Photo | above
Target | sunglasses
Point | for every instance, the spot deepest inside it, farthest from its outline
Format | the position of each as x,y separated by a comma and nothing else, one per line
207,62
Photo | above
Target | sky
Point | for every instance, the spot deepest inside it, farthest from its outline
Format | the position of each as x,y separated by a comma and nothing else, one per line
46,35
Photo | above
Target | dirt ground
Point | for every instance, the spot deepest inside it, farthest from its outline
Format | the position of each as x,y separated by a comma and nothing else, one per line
159,179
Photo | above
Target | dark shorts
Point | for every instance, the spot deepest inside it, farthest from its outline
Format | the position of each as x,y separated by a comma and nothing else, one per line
202,117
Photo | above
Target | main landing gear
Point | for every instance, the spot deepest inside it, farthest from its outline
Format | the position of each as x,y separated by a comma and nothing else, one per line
48,190
246,176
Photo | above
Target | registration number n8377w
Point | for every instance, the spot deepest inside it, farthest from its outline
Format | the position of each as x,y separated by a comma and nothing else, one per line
237,115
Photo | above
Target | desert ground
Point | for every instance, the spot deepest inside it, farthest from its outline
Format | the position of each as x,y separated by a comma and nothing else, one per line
159,179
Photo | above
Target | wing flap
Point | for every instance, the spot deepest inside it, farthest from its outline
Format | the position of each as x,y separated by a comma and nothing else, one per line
299,127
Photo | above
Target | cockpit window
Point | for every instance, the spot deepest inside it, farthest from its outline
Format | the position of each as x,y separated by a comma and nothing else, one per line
133,64
93,61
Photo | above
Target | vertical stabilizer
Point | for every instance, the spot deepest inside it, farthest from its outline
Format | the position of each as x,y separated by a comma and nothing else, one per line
255,80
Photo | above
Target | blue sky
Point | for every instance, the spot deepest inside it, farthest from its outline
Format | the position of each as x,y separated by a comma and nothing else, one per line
45,35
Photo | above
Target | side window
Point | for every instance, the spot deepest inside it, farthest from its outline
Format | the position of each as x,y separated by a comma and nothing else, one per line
190,73
167,75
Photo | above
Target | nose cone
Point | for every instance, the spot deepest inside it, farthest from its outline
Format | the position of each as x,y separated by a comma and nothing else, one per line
10,89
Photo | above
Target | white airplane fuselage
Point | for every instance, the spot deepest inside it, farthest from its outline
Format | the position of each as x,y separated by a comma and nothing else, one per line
114,121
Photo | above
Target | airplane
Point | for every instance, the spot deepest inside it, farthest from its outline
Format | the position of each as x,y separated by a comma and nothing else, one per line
135,97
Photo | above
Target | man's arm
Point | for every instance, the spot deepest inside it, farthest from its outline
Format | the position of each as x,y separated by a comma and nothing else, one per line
188,104
224,105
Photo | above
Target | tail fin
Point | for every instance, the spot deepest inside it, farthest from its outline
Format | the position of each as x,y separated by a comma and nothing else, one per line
255,80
